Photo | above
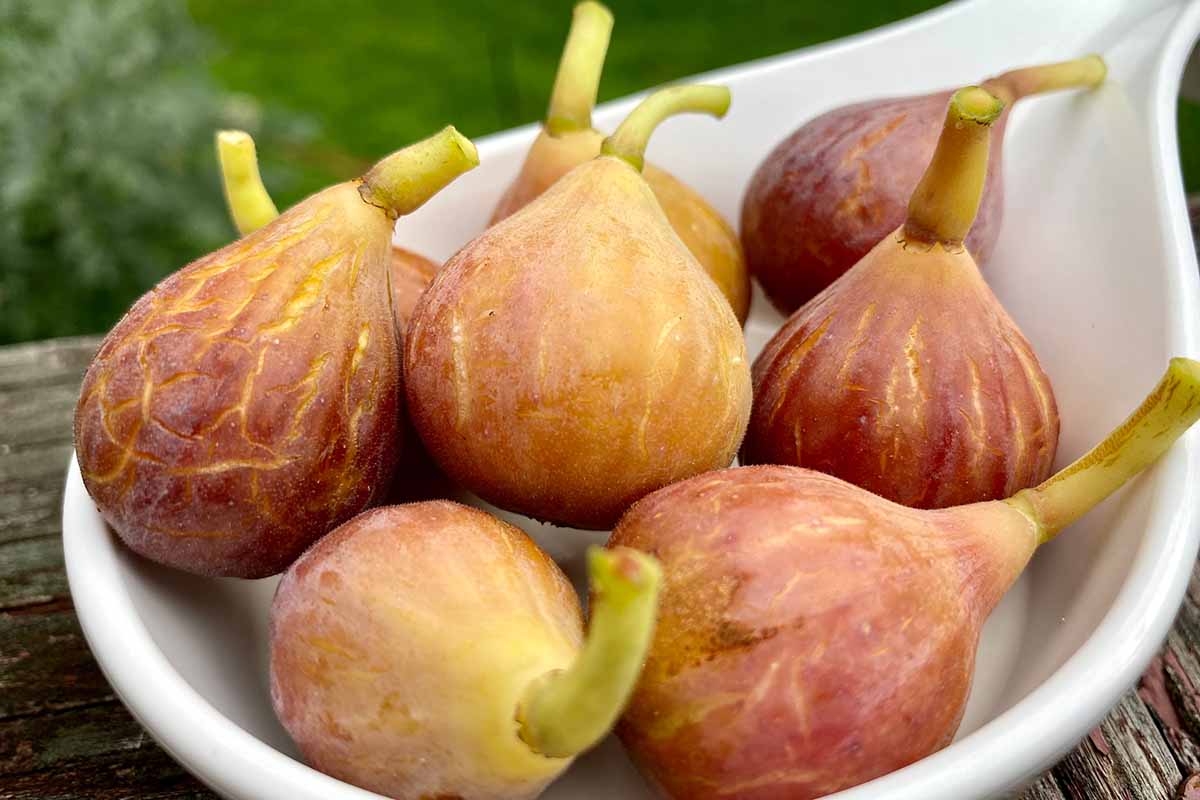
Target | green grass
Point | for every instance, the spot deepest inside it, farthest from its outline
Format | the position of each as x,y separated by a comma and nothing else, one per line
378,74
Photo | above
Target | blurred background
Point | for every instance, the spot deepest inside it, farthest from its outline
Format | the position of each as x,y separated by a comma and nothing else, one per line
108,177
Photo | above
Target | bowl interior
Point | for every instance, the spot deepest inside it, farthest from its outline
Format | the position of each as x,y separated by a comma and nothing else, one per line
1081,256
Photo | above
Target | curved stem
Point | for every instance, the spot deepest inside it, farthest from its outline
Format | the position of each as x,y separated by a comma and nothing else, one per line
1080,73
402,182
567,711
1165,414
628,142
944,204
249,204
578,78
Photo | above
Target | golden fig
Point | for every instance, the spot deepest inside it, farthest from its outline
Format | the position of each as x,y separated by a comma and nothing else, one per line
906,377
837,185
575,356
250,402
567,139
812,636
431,650
251,207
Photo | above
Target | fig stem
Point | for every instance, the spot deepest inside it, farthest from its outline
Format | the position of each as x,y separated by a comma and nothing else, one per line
628,142
944,204
1165,414
402,182
1079,73
578,80
249,204
564,712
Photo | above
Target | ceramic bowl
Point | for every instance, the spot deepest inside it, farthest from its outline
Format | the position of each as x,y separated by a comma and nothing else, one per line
1095,263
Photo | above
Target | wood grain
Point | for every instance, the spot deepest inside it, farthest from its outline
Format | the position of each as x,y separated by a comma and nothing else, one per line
64,736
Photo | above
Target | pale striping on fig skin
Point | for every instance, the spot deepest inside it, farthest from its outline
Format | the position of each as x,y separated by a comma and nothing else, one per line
839,183
829,192
741,642
250,206
699,226
963,415
906,376
551,273
210,432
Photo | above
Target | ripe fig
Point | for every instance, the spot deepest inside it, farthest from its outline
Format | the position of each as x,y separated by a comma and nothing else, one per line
249,403
431,650
575,357
251,207
813,636
840,183
906,376
567,139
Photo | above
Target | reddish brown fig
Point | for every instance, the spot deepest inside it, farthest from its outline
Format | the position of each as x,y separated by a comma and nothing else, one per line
433,651
416,476
567,139
812,636
906,376
250,402
839,184
575,357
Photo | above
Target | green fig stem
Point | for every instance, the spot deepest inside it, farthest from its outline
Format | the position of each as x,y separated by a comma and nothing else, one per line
943,206
1165,414
249,204
567,711
578,80
628,142
402,182
1080,73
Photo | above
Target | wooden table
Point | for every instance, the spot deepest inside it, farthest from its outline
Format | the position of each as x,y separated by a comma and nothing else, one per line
64,735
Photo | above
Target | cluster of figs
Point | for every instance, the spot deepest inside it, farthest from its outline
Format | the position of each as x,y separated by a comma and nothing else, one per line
300,400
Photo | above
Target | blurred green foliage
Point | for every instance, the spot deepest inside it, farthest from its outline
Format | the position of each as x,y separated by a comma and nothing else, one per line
378,74
107,183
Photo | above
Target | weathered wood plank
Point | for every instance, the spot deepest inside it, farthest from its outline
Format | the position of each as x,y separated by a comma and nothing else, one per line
147,773
45,664
46,363
1124,758
1045,789
31,572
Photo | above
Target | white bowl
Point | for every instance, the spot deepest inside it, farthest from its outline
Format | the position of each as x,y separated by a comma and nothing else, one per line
1095,263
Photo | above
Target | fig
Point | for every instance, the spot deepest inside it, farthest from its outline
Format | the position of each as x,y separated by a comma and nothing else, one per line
575,357
251,207
431,650
813,636
906,376
830,191
415,477
567,139
250,402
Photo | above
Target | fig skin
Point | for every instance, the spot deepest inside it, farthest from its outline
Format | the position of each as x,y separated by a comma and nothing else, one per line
778,669
908,378
402,642
701,227
812,636
417,475
574,357
250,402
839,184
411,275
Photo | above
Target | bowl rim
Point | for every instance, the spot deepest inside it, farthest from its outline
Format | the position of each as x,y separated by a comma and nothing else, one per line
1015,746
